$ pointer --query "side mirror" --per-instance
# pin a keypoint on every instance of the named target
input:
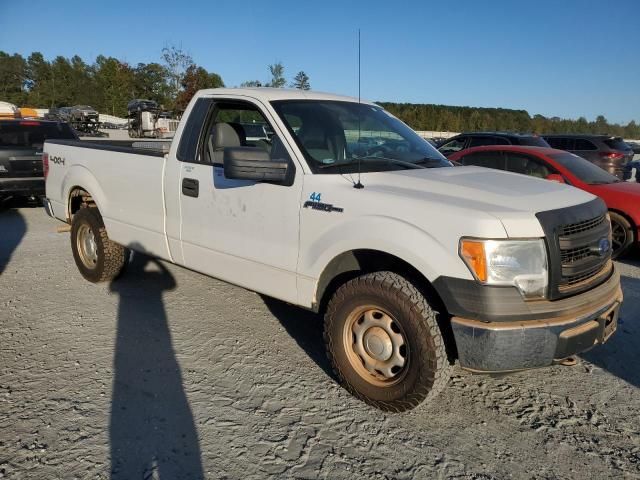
(556, 177)
(249, 163)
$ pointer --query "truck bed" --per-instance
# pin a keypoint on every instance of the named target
(139, 147)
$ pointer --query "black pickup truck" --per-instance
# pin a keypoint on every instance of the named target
(21, 144)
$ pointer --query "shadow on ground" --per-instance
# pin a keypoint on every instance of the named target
(12, 229)
(621, 354)
(152, 431)
(305, 328)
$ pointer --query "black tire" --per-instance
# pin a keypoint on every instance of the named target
(426, 370)
(110, 257)
(623, 235)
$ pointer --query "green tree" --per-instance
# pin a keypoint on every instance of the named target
(177, 62)
(39, 82)
(150, 81)
(114, 80)
(13, 78)
(601, 125)
(277, 75)
(196, 78)
(301, 81)
(251, 83)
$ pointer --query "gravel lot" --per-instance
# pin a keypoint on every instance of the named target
(168, 374)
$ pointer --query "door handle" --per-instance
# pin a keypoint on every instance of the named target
(190, 187)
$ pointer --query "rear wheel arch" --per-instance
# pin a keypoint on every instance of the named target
(78, 198)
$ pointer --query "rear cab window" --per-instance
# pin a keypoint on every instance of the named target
(32, 134)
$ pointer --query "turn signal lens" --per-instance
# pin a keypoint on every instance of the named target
(473, 254)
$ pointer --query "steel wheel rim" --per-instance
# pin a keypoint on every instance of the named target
(376, 346)
(618, 235)
(87, 247)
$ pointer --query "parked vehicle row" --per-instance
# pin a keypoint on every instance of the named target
(478, 139)
(82, 118)
(412, 262)
(622, 198)
(607, 152)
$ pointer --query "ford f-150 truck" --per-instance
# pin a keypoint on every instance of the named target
(346, 211)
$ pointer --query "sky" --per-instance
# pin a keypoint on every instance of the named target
(565, 58)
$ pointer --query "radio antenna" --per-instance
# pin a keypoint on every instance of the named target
(358, 184)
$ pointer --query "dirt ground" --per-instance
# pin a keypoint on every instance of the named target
(168, 374)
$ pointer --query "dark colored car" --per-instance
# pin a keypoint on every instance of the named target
(83, 114)
(635, 146)
(479, 139)
(21, 144)
(622, 198)
(60, 114)
(632, 172)
(607, 152)
(142, 105)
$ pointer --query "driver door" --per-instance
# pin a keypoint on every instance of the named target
(240, 231)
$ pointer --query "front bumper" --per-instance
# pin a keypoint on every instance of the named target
(495, 346)
(25, 186)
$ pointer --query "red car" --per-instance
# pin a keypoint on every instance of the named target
(622, 198)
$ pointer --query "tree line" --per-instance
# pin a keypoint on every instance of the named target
(464, 119)
(108, 84)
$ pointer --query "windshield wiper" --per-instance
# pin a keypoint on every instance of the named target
(394, 161)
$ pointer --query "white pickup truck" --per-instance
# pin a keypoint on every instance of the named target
(346, 211)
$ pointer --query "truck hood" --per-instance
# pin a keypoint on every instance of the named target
(513, 199)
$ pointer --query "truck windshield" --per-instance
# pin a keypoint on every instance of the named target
(583, 169)
(32, 134)
(336, 136)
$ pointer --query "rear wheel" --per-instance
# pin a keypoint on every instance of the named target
(622, 234)
(98, 259)
(384, 342)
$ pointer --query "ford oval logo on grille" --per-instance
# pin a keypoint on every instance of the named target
(603, 247)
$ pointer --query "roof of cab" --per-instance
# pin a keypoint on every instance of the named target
(268, 94)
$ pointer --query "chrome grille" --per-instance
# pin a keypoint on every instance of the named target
(574, 254)
(583, 226)
(580, 255)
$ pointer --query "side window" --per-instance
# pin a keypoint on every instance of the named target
(582, 144)
(189, 140)
(453, 146)
(561, 143)
(484, 159)
(487, 140)
(238, 124)
(526, 165)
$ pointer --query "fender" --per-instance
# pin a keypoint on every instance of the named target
(376, 232)
(78, 176)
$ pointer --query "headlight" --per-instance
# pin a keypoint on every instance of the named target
(518, 263)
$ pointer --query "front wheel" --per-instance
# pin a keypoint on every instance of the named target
(622, 234)
(98, 259)
(384, 342)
